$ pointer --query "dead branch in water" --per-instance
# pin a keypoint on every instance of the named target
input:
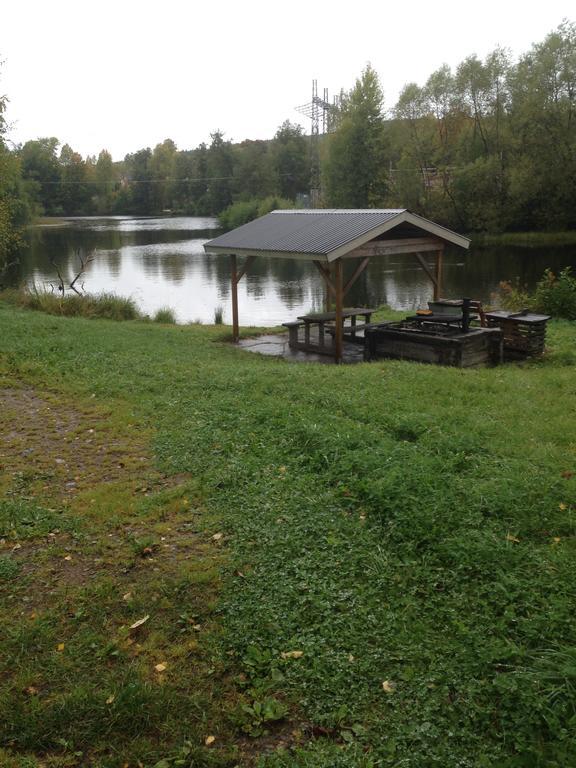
(84, 263)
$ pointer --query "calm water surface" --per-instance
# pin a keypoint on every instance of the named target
(161, 262)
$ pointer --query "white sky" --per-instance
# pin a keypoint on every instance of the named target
(127, 74)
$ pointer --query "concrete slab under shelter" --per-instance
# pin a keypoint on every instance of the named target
(276, 345)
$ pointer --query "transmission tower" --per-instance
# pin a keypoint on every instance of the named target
(320, 112)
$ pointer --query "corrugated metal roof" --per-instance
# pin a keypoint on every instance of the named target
(319, 232)
(303, 231)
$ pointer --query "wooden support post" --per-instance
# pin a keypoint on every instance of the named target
(438, 276)
(234, 286)
(329, 290)
(235, 279)
(356, 274)
(339, 331)
(324, 270)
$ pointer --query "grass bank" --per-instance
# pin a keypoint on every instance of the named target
(107, 306)
(348, 566)
(526, 239)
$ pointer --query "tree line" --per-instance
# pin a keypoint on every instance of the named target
(488, 146)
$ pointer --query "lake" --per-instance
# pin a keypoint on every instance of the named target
(160, 262)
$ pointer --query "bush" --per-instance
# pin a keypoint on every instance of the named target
(165, 315)
(104, 305)
(556, 294)
(244, 211)
(511, 295)
(238, 213)
(218, 315)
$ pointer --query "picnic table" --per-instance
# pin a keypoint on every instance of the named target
(324, 322)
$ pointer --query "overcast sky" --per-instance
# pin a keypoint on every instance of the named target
(124, 75)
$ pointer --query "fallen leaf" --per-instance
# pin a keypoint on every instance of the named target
(292, 654)
(556, 540)
(110, 699)
(350, 658)
(160, 667)
(138, 624)
(514, 539)
(68, 557)
(562, 507)
(209, 740)
(31, 690)
(16, 546)
(217, 536)
(388, 686)
(127, 596)
(60, 647)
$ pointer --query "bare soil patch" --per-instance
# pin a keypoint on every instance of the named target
(60, 447)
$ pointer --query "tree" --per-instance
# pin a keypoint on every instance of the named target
(105, 177)
(354, 166)
(40, 166)
(162, 170)
(543, 126)
(138, 174)
(220, 170)
(76, 191)
(15, 206)
(290, 160)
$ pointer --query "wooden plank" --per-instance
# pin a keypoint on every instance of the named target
(234, 281)
(428, 271)
(356, 274)
(325, 272)
(394, 247)
(247, 264)
(315, 317)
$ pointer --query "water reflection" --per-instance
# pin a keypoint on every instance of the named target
(161, 262)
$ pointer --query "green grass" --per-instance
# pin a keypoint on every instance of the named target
(165, 315)
(389, 522)
(103, 305)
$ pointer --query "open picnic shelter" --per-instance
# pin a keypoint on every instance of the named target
(332, 238)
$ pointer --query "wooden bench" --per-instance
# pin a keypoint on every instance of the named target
(293, 328)
(351, 330)
(323, 323)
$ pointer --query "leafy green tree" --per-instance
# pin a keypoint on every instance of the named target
(220, 170)
(354, 166)
(162, 170)
(138, 195)
(105, 177)
(41, 168)
(76, 191)
(15, 208)
(543, 126)
(253, 169)
(290, 158)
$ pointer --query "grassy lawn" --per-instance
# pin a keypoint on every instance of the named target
(353, 566)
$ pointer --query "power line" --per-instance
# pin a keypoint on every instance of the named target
(149, 181)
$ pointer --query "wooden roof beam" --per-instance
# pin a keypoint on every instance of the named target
(392, 247)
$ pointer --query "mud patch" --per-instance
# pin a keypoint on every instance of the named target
(56, 447)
